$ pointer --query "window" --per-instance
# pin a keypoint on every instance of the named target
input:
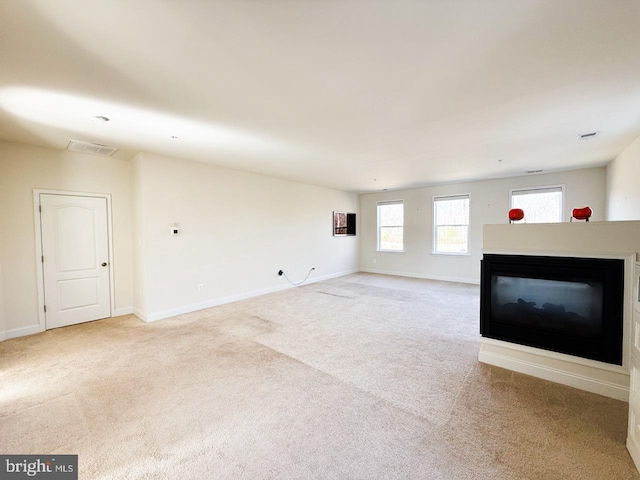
(391, 226)
(540, 205)
(451, 225)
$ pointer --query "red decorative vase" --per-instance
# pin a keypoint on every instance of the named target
(582, 213)
(516, 214)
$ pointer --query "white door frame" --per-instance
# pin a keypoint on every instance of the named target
(42, 319)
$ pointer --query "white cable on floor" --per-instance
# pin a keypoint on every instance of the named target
(299, 283)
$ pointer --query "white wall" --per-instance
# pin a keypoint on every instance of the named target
(623, 184)
(489, 204)
(24, 168)
(237, 230)
(3, 327)
(139, 252)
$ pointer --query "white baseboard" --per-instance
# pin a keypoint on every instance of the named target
(443, 278)
(154, 316)
(139, 313)
(572, 379)
(21, 332)
(24, 331)
(118, 312)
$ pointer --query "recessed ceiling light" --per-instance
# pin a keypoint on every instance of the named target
(587, 136)
(100, 119)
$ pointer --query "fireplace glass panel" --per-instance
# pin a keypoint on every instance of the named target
(571, 308)
(563, 304)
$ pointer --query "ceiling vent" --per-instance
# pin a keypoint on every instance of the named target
(92, 148)
(587, 136)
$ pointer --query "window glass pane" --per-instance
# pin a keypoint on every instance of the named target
(391, 238)
(452, 212)
(451, 225)
(390, 226)
(391, 215)
(539, 207)
(452, 239)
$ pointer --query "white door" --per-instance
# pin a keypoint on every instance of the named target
(75, 252)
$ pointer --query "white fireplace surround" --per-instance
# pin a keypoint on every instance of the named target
(620, 240)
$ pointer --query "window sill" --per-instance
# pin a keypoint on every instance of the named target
(448, 254)
(390, 251)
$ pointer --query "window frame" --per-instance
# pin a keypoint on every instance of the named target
(541, 188)
(434, 225)
(378, 226)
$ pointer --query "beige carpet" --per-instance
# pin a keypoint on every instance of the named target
(362, 377)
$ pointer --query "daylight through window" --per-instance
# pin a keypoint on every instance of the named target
(451, 225)
(540, 205)
(391, 226)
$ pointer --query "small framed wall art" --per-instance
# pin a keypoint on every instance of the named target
(344, 224)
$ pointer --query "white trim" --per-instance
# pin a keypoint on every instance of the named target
(556, 355)
(590, 384)
(21, 332)
(634, 449)
(382, 203)
(632, 440)
(118, 312)
(112, 279)
(38, 233)
(390, 202)
(434, 226)
(636, 288)
(140, 314)
(455, 196)
(558, 253)
(39, 273)
(444, 278)
(154, 316)
(528, 190)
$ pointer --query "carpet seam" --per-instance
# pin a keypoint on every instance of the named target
(379, 398)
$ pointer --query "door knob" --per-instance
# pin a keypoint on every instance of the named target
(104, 264)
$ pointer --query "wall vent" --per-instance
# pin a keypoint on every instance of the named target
(92, 148)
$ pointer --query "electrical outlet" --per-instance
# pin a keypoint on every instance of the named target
(201, 287)
(374, 260)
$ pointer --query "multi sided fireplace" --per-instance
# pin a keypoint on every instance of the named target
(563, 304)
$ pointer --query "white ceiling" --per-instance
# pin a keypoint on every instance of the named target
(355, 95)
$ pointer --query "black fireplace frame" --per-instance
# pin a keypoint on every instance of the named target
(608, 348)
